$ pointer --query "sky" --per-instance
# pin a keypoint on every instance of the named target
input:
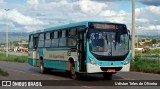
(31, 15)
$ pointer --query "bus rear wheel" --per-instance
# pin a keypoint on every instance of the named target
(107, 75)
(42, 70)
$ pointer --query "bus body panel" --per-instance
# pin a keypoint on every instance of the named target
(32, 59)
(125, 68)
(57, 64)
(57, 58)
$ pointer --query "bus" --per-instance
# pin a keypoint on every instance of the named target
(82, 47)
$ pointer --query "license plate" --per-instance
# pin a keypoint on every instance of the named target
(111, 70)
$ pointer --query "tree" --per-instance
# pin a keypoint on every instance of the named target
(154, 41)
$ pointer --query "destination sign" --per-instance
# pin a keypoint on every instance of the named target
(107, 26)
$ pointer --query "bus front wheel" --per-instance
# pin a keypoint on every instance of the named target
(73, 73)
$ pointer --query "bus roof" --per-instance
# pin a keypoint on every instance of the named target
(68, 26)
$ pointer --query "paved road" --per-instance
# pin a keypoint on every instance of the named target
(23, 71)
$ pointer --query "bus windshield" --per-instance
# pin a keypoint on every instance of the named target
(109, 42)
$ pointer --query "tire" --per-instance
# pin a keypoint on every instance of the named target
(68, 73)
(42, 69)
(107, 75)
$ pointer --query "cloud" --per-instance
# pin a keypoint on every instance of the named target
(117, 16)
(151, 2)
(142, 20)
(2, 1)
(148, 17)
(17, 17)
(92, 7)
(40, 14)
(49, 13)
(33, 2)
(150, 27)
(18, 21)
(149, 12)
(108, 13)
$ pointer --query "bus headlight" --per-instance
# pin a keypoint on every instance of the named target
(126, 62)
(92, 61)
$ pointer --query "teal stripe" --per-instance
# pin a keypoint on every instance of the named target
(31, 49)
(57, 64)
(32, 62)
(48, 49)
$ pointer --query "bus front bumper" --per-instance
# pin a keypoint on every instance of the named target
(97, 69)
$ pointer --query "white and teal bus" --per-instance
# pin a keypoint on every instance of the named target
(83, 47)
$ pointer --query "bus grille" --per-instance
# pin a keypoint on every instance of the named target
(106, 68)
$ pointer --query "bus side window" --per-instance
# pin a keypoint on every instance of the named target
(41, 40)
(73, 32)
(55, 39)
(71, 37)
(62, 39)
(47, 40)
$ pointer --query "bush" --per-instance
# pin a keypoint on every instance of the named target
(3, 73)
(13, 58)
(145, 65)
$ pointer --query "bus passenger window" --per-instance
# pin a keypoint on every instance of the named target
(55, 35)
(62, 40)
(55, 39)
(47, 40)
(41, 40)
(47, 36)
(73, 32)
(63, 33)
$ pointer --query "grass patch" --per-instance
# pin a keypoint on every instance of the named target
(3, 73)
(145, 65)
(13, 58)
(150, 53)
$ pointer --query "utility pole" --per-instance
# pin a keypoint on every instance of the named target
(137, 28)
(133, 29)
(6, 10)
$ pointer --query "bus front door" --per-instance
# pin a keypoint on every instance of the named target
(35, 43)
(81, 50)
